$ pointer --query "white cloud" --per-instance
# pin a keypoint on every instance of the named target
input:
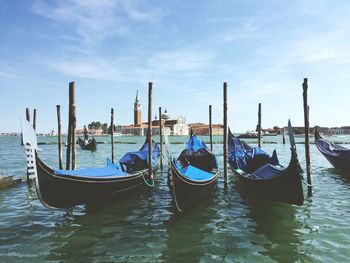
(138, 15)
(87, 68)
(180, 60)
(95, 20)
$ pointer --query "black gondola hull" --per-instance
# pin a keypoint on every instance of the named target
(60, 191)
(340, 164)
(185, 192)
(339, 157)
(90, 146)
(284, 187)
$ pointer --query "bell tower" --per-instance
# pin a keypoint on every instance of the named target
(137, 110)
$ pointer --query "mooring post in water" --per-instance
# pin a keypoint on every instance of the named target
(69, 135)
(34, 119)
(59, 134)
(259, 126)
(210, 130)
(307, 142)
(225, 132)
(74, 125)
(27, 114)
(28, 119)
(112, 133)
(149, 133)
(283, 136)
(161, 138)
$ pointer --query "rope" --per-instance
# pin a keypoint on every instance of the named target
(146, 182)
(222, 176)
(173, 184)
(306, 183)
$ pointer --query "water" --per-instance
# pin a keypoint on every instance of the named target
(226, 227)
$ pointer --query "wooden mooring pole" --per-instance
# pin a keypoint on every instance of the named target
(259, 126)
(283, 136)
(161, 138)
(225, 132)
(112, 133)
(307, 142)
(69, 135)
(59, 134)
(27, 114)
(74, 125)
(28, 119)
(34, 119)
(210, 130)
(149, 133)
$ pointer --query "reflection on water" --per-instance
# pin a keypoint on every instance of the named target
(226, 227)
(277, 222)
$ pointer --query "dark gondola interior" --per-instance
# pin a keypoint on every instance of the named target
(196, 157)
(251, 160)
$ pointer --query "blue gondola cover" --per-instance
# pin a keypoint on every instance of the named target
(92, 172)
(249, 159)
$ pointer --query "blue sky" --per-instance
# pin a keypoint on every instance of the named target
(111, 48)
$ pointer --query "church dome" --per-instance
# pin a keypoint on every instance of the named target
(165, 115)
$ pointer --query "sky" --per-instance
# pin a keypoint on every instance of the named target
(112, 48)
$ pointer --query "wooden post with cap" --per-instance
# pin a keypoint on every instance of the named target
(259, 126)
(34, 119)
(27, 114)
(225, 132)
(210, 129)
(112, 133)
(307, 142)
(69, 134)
(74, 125)
(149, 133)
(58, 108)
(161, 138)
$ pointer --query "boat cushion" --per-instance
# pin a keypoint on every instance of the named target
(138, 160)
(92, 172)
(196, 154)
(193, 172)
(266, 171)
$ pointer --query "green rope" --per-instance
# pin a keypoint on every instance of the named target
(222, 176)
(147, 183)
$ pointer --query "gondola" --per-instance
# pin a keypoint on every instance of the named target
(337, 155)
(247, 135)
(261, 174)
(87, 144)
(193, 174)
(67, 188)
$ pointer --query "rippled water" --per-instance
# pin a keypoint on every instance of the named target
(225, 227)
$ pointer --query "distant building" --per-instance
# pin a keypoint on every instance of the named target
(177, 126)
(203, 129)
(95, 131)
(137, 110)
(132, 130)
